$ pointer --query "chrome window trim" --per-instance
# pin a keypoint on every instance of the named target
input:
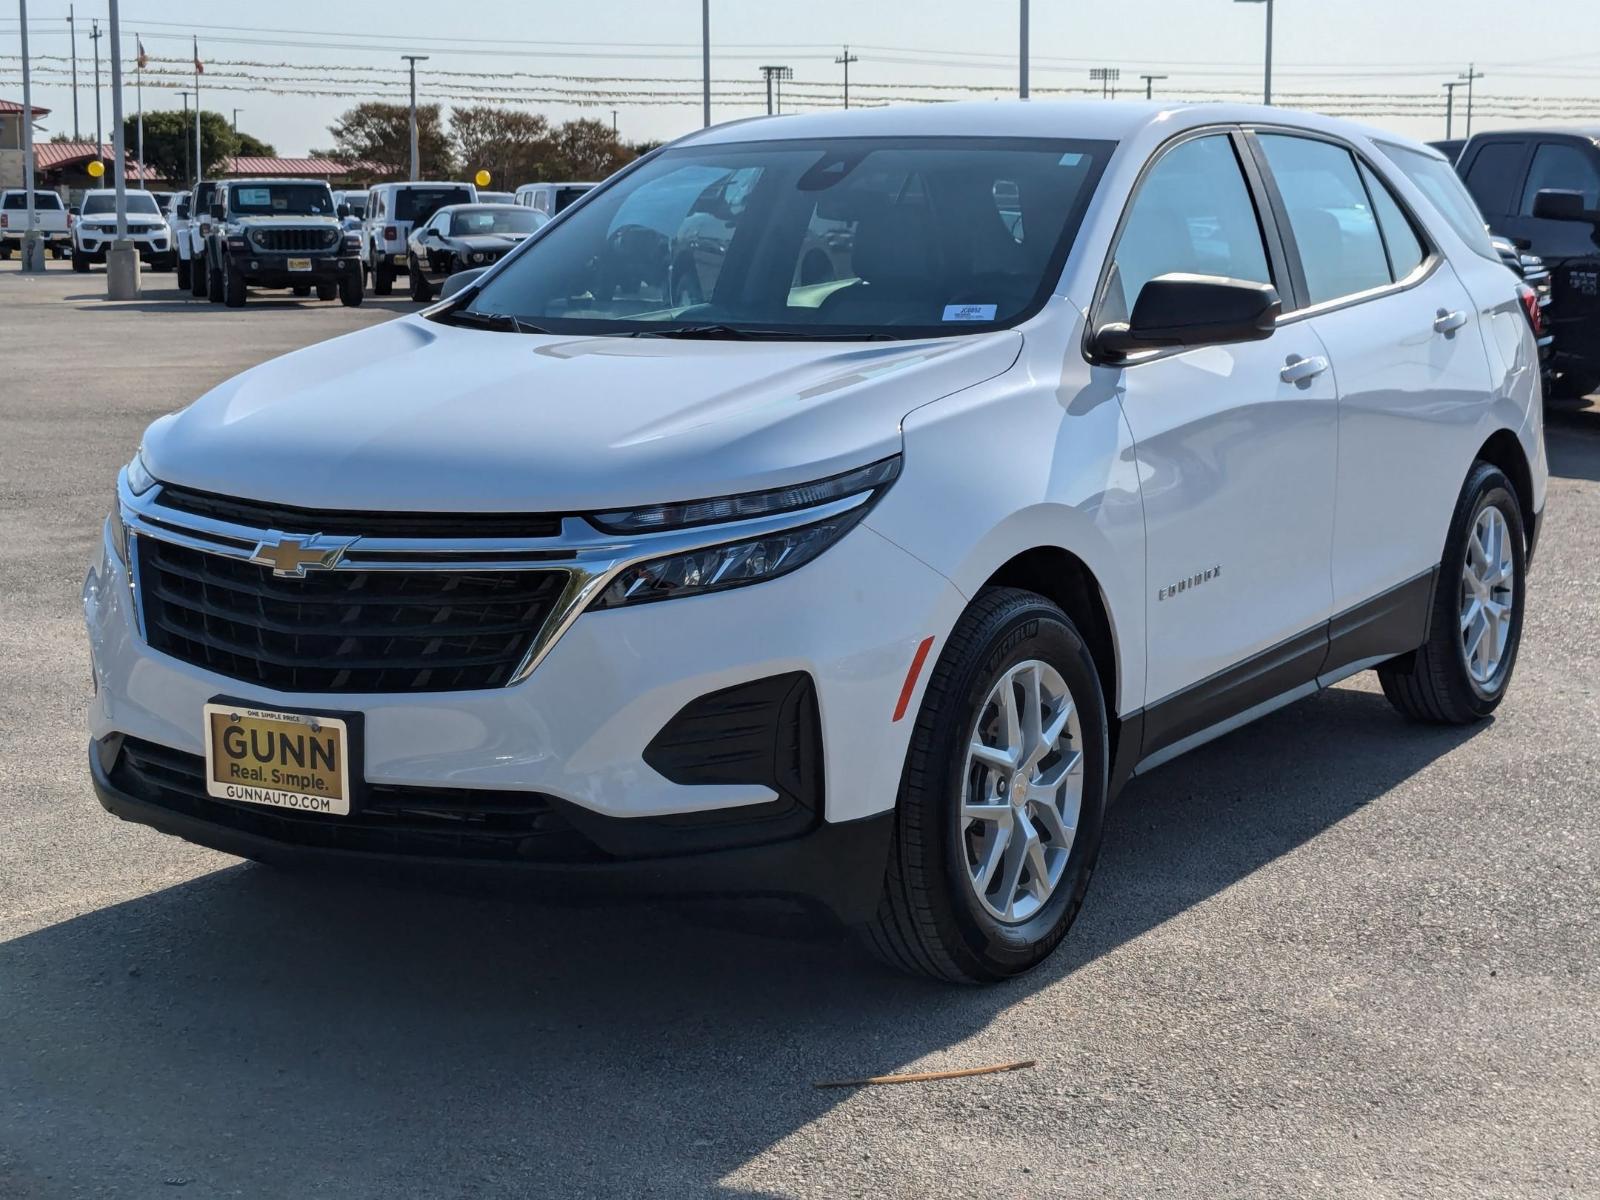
(589, 558)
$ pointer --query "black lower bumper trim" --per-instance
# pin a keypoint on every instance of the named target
(838, 865)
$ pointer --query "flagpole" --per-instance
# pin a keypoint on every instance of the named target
(197, 175)
(138, 88)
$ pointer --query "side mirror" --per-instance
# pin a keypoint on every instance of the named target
(218, 210)
(459, 282)
(1193, 310)
(342, 211)
(1560, 204)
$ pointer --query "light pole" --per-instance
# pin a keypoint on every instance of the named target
(414, 59)
(847, 58)
(778, 73)
(122, 260)
(1106, 77)
(705, 62)
(32, 246)
(1150, 85)
(99, 137)
(1450, 108)
(72, 30)
(1022, 52)
(1267, 87)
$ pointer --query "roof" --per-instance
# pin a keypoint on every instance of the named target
(52, 156)
(247, 164)
(14, 106)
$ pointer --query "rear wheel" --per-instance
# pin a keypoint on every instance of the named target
(80, 262)
(420, 291)
(1460, 674)
(999, 818)
(58, 251)
(214, 282)
(382, 278)
(198, 271)
(1575, 385)
(183, 272)
(301, 289)
(5, 251)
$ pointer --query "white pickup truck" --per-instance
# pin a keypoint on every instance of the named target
(49, 218)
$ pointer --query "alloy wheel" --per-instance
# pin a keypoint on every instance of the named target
(1488, 596)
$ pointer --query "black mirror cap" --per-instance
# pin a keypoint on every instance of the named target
(1193, 310)
(459, 281)
(1560, 204)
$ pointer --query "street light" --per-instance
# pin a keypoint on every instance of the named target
(1267, 89)
(413, 60)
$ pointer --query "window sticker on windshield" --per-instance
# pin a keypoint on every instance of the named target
(969, 312)
(279, 203)
(255, 197)
(1070, 159)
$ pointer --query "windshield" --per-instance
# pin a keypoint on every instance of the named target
(280, 199)
(887, 237)
(42, 201)
(420, 203)
(138, 202)
(469, 222)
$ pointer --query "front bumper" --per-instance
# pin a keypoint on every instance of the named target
(271, 268)
(93, 247)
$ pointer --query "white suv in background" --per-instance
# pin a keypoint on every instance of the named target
(1115, 427)
(393, 209)
(49, 218)
(96, 228)
(550, 198)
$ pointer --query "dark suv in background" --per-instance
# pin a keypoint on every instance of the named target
(1541, 189)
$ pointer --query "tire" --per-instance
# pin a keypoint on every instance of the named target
(58, 252)
(183, 272)
(1434, 683)
(327, 291)
(80, 263)
(301, 290)
(420, 291)
(382, 278)
(199, 273)
(930, 919)
(5, 252)
(233, 285)
(352, 290)
(1577, 385)
(214, 282)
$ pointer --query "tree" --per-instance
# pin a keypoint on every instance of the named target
(514, 147)
(380, 134)
(255, 147)
(169, 143)
(587, 149)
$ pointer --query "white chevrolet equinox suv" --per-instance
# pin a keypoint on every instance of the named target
(1000, 452)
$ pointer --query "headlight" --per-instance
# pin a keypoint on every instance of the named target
(477, 256)
(140, 481)
(722, 567)
(873, 477)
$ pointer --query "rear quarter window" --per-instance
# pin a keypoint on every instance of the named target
(1437, 180)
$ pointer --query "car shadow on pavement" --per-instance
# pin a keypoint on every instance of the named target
(349, 1040)
(178, 300)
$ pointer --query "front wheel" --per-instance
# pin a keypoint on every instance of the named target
(1460, 674)
(301, 290)
(183, 272)
(421, 292)
(233, 286)
(1002, 802)
(327, 290)
(198, 272)
(352, 289)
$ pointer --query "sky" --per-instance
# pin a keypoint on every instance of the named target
(290, 67)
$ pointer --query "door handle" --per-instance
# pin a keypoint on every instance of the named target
(1302, 370)
(1448, 322)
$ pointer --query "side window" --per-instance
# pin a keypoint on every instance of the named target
(1436, 180)
(1406, 251)
(1334, 226)
(1492, 177)
(1557, 165)
(1193, 214)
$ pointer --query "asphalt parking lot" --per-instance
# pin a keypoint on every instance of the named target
(1331, 954)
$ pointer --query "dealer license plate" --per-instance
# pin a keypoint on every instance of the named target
(278, 759)
(299, 264)
(400, 260)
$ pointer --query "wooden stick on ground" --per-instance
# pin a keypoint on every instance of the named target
(925, 1076)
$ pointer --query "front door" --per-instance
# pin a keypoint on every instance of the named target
(1236, 449)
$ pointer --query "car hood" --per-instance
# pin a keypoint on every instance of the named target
(264, 221)
(420, 416)
(487, 241)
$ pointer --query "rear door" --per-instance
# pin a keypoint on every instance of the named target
(1235, 447)
(1413, 383)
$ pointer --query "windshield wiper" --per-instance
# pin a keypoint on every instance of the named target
(736, 333)
(481, 320)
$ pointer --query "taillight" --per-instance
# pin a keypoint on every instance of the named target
(5, 221)
(390, 233)
(1531, 309)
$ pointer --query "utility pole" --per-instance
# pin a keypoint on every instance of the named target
(1267, 85)
(199, 173)
(236, 113)
(1022, 53)
(1471, 76)
(705, 62)
(413, 60)
(32, 247)
(1106, 77)
(613, 123)
(1450, 108)
(847, 58)
(780, 74)
(72, 29)
(99, 136)
(122, 260)
(185, 96)
(1149, 85)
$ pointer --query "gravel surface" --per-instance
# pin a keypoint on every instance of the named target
(1329, 954)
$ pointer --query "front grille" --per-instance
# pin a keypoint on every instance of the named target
(456, 823)
(285, 519)
(295, 239)
(345, 630)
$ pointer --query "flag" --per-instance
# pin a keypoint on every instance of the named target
(143, 59)
(199, 67)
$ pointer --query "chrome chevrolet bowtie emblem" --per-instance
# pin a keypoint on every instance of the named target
(292, 557)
